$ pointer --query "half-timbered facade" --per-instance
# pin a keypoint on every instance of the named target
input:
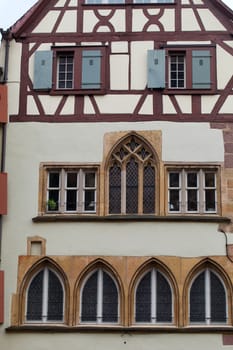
(119, 154)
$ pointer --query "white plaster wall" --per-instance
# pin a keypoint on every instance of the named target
(224, 59)
(118, 341)
(138, 61)
(119, 47)
(119, 72)
(168, 20)
(189, 21)
(47, 23)
(68, 23)
(89, 21)
(209, 21)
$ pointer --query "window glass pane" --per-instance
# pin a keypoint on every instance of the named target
(89, 299)
(209, 179)
(53, 200)
(192, 180)
(143, 299)
(54, 180)
(132, 187)
(174, 200)
(110, 299)
(197, 299)
(149, 190)
(71, 200)
(89, 199)
(34, 298)
(90, 180)
(55, 298)
(65, 70)
(72, 179)
(164, 299)
(192, 200)
(115, 189)
(218, 300)
(174, 179)
(210, 202)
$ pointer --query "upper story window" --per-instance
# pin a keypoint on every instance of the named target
(181, 68)
(153, 299)
(45, 298)
(77, 70)
(192, 190)
(132, 178)
(99, 299)
(207, 299)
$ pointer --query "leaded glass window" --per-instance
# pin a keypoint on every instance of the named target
(132, 178)
(208, 299)
(99, 299)
(153, 299)
(45, 298)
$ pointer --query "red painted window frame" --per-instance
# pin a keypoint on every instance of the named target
(3, 192)
(77, 51)
(188, 68)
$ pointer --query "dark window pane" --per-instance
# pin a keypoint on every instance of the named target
(71, 200)
(143, 299)
(174, 203)
(164, 300)
(89, 204)
(71, 179)
(149, 190)
(54, 179)
(53, 200)
(89, 299)
(218, 300)
(209, 179)
(192, 200)
(174, 180)
(192, 179)
(132, 187)
(90, 180)
(34, 298)
(210, 204)
(55, 298)
(197, 299)
(110, 299)
(115, 189)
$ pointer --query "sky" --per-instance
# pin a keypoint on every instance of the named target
(12, 10)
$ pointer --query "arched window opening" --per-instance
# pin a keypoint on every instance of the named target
(45, 298)
(153, 299)
(132, 178)
(99, 299)
(207, 300)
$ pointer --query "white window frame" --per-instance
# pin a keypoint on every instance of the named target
(153, 285)
(176, 54)
(201, 190)
(99, 315)
(208, 297)
(45, 295)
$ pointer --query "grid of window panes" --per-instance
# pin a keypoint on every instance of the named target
(177, 70)
(65, 71)
(192, 191)
(71, 190)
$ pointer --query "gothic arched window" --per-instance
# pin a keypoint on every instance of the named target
(132, 178)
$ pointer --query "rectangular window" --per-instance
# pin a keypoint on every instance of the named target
(192, 191)
(71, 190)
(79, 69)
(177, 70)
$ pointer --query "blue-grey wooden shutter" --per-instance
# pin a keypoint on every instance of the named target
(156, 69)
(91, 69)
(43, 70)
(201, 77)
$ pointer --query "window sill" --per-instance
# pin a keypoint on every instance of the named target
(88, 218)
(189, 92)
(118, 329)
(77, 92)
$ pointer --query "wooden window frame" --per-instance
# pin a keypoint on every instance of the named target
(200, 170)
(187, 52)
(77, 89)
(63, 169)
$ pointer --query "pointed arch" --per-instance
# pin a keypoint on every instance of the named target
(153, 296)
(207, 295)
(99, 296)
(132, 176)
(44, 294)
